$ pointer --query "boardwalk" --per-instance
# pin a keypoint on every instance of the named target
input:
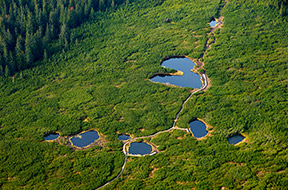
(205, 85)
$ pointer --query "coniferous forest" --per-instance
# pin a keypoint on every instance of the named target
(69, 66)
(28, 27)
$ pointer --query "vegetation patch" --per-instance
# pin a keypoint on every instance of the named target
(250, 51)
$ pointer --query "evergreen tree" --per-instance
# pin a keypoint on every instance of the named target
(12, 63)
(54, 23)
(87, 11)
(112, 4)
(11, 18)
(64, 35)
(2, 65)
(20, 60)
(47, 34)
(72, 18)
(101, 5)
(63, 14)
(1, 71)
(22, 22)
(71, 4)
(5, 54)
(38, 48)
(92, 14)
(9, 39)
(30, 23)
(45, 55)
(20, 44)
(29, 49)
(7, 71)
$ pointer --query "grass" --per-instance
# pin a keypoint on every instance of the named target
(109, 66)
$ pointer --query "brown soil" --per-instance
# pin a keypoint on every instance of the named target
(152, 172)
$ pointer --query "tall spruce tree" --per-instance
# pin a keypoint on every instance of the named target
(29, 49)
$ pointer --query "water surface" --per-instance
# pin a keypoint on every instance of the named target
(51, 136)
(85, 139)
(198, 128)
(236, 139)
(140, 148)
(188, 79)
(124, 137)
(213, 23)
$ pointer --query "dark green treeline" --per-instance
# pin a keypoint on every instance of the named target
(28, 26)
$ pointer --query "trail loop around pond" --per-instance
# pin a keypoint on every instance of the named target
(204, 77)
(204, 88)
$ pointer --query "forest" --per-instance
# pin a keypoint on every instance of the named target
(27, 28)
(99, 72)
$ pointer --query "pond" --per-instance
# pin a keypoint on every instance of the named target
(84, 139)
(198, 128)
(235, 139)
(140, 148)
(124, 137)
(213, 23)
(188, 79)
(51, 136)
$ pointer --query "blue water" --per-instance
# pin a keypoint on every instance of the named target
(140, 148)
(213, 23)
(188, 79)
(235, 139)
(85, 139)
(52, 136)
(124, 137)
(198, 128)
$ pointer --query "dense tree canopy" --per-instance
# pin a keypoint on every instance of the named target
(28, 26)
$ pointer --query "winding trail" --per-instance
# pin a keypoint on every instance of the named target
(204, 87)
(204, 77)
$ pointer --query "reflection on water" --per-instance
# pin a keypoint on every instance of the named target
(52, 136)
(236, 139)
(140, 148)
(124, 137)
(85, 139)
(213, 23)
(198, 128)
(188, 79)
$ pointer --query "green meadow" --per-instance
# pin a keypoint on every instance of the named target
(102, 76)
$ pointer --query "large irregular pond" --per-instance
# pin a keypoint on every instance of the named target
(84, 139)
(124, 137)
(198, 128)
(140, 148)
(188, 79)
(236, 138)
(51, 136)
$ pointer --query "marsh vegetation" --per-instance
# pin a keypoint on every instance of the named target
(101, 82)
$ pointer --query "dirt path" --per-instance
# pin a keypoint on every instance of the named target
(159, 132)
(206, 85)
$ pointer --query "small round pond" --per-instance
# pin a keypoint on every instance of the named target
(198, 128)
(188, 79)
(124, 137)
(140, 148)
(235, 139)
(51, 136)
(213, 23)
(84, 139)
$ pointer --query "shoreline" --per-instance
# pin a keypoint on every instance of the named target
(207, 127)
